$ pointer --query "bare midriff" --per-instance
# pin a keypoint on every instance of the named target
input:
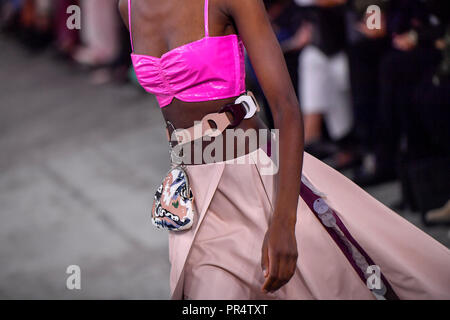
(184, 114)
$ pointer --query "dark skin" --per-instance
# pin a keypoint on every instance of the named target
(159, 26)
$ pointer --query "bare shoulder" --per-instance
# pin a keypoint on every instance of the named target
(236, 6)
(248, 15)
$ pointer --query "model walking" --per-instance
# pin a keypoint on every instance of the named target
(296, 234)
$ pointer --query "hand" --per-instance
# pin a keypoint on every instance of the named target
(405, 41)
(301, 38)
(371, 33)
(279, 255)
(374, 33)
(440, 44)
(303, 35)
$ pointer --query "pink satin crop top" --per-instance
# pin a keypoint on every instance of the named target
(207, 69)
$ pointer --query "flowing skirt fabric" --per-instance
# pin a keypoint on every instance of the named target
(341, 231)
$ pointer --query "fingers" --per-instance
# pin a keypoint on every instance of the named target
(281, 270)
(265, 258)
(272, 275)
(272, 271)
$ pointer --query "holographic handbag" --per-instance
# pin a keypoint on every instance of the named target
(173, 204)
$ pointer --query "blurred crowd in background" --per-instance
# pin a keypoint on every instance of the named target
(376, 102)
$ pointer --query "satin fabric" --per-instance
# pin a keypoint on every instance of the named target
(207, 69)
(219, 258)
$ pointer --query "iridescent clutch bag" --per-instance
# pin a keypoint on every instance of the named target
(173, 204)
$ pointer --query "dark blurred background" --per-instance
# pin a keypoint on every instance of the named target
(82, 145)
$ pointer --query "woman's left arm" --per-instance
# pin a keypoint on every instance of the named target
(279, 251)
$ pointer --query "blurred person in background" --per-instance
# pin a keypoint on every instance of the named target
(9, 11)
(426, 156)
(324, 83)
(66, 40)
(37, 23)
(30, 20)
(400, 71)
(412, 29)
(428, 137)
(99, 46)
(100, 37)
(291, 30)
(401, 98)
(366, 49)
(287, 22)
(43, 20)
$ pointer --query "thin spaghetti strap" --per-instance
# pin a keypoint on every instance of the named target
(129, 24)
(206, 19)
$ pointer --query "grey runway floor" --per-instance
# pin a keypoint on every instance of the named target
(78, 165)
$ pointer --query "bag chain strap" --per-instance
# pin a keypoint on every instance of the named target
(175, 159)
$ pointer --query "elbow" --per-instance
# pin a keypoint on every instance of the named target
(287, 112)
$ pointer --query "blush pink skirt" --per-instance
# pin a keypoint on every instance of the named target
(343, 235)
